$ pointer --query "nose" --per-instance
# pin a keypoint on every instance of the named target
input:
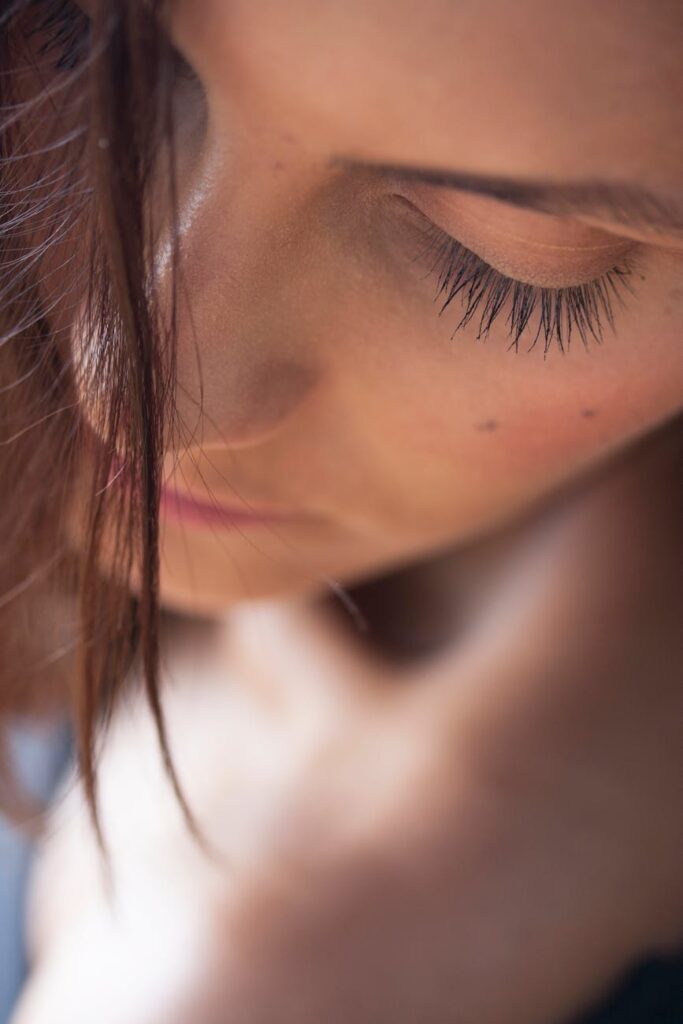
(250, 395)
(245, 362)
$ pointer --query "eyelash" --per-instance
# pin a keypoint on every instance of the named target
(556, 313)
(485, 292)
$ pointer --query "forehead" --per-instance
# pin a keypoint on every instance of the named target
(531, 88)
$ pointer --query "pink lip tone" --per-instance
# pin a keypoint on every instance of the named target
(184, 508)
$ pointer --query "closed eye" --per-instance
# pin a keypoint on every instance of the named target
(533, 313)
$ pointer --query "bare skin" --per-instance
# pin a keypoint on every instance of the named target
(489, 837)
(331, 389)
(518, 842)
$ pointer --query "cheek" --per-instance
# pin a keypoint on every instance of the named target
(588, 404)
(505, 424)
(487, 429)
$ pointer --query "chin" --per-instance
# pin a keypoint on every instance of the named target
(204, 574)
(212, 601)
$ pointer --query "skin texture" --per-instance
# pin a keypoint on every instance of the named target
(331, 388)
(493, 834)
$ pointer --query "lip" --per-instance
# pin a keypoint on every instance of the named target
(187, 509)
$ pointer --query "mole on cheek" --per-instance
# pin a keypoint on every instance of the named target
(589, 414)
(487, 426)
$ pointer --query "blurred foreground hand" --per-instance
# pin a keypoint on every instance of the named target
(488, 838)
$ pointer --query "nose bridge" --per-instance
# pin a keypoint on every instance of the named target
(241, 345)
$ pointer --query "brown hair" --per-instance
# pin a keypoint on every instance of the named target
(86, 130)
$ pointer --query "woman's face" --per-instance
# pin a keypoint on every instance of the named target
(330, 153)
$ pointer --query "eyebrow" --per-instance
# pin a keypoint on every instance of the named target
(625, 204)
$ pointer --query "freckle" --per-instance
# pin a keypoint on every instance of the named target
(278, 165)
(589, 414)
(487, 426)
(288, 137)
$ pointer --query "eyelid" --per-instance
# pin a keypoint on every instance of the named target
(527, 310)
(514, 221)
(529, 261)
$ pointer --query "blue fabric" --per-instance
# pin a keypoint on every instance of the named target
(39, 755)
